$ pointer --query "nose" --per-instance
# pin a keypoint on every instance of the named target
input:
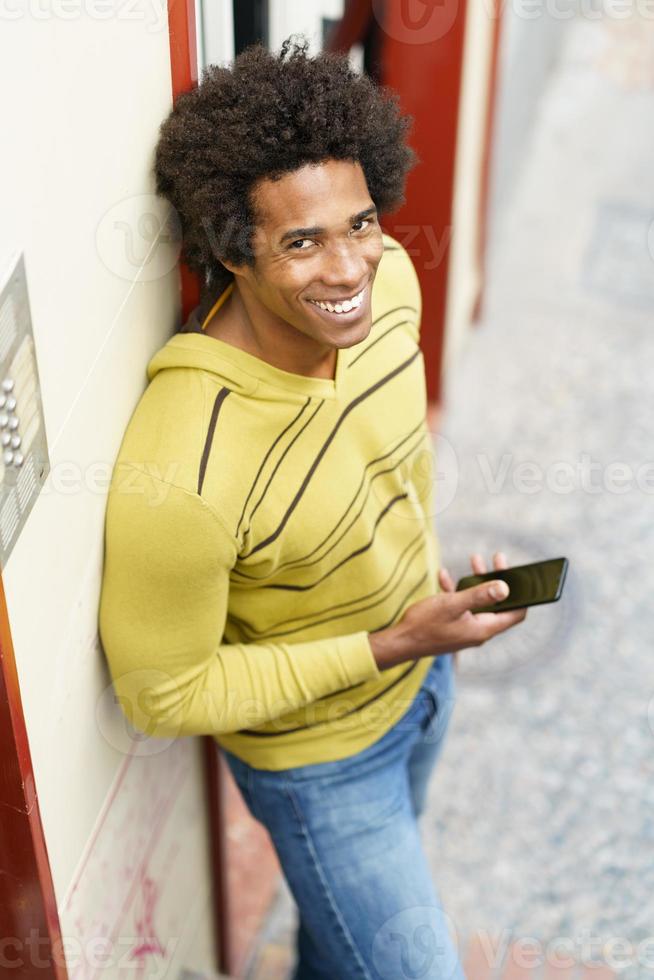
(345, 268)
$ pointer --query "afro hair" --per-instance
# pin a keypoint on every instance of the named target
(264, 116)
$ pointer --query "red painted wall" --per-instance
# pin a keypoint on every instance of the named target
(29, 923)
(422, 60)
(420, 56)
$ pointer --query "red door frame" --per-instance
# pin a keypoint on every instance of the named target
(425, 72)
(30, 931)
(184, 75)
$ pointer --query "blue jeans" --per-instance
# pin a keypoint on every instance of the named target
(348, 841)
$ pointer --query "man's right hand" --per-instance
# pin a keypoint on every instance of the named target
(444, 623)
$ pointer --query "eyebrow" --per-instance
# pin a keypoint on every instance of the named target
(295, 233)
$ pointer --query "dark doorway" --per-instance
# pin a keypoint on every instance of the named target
(250, 23)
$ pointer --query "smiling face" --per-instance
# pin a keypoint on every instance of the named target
(317, 241)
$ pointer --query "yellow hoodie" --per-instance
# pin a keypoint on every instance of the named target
(259, 525)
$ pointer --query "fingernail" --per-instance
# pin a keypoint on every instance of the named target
(499, 591)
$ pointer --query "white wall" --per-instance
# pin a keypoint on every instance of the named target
(305, 16)
(529, 48)
(215, 32)
(88, 93)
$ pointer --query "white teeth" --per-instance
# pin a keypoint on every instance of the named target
(345, 307)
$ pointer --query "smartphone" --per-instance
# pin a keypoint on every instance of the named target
(530, 585)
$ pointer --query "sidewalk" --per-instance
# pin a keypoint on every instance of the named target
(540, 821)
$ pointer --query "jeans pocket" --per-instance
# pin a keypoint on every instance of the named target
(440, 686)
(430, 708)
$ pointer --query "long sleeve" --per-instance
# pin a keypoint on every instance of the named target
(162, 614)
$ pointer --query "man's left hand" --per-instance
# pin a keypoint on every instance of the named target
(478, 566)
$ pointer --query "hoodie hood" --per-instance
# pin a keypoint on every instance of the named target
(191, 348)
(233, 368)
(204, 354)
(246, 374)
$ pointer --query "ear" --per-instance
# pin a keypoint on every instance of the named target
(240, 269)
(230, 268)
(243, 273)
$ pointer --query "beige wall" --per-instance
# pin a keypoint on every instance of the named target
(125, 832)
(463, 274)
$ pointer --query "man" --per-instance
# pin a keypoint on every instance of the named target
(271, 574)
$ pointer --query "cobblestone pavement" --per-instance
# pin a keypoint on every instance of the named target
(540, 821)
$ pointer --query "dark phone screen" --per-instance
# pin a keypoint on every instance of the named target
(531, 584)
